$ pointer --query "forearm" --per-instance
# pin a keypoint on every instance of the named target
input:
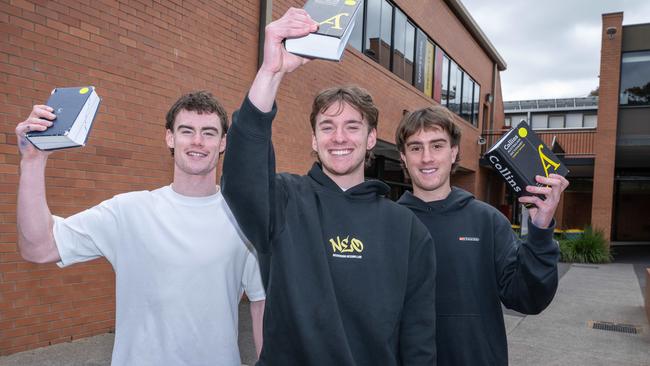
(264, 89)
(257, 317)
(34, 220)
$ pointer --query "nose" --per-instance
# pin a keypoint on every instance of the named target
(427, 155)
(197, 139)
(339, 135)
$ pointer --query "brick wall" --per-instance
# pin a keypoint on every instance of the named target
(141, 56)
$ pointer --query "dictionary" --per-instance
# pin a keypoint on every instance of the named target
(519, 156)
(335, 20)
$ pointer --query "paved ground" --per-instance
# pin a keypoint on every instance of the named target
(558, 336)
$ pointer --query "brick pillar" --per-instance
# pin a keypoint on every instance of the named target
(605, 140)
(559, 214)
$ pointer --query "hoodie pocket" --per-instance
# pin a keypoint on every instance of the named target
(462, 340)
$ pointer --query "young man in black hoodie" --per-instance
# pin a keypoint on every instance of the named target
(349, 275)
(480, 260)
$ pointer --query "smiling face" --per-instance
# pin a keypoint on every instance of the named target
(341, 139)
(197, 140)
(428, 157)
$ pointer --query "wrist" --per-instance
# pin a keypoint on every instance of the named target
(38, 161)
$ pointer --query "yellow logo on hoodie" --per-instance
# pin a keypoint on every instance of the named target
(346, 247)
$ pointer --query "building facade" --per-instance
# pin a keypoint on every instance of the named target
(604, 140)
(142, 55)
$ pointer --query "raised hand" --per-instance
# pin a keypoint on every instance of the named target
(293, 24)
(40, 119)
(542, 214)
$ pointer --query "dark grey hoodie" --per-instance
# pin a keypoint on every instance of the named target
(482, 263)
(349, 276)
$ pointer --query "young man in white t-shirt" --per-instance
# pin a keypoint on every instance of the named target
(180, 260)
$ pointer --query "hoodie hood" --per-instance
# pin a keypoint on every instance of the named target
(368, 189)
(457, 199)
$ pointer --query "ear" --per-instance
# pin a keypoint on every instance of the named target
(222, 144)
(403, 157)
(314, 143)
(454, 153)
(372, 139)
(169, 138)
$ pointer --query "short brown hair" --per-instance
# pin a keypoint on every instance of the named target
(436, 117)
(201, 102)
(358, 98)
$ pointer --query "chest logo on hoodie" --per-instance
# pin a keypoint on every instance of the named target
(468, 238)
(346, 247)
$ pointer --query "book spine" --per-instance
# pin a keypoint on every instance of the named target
(514, 179)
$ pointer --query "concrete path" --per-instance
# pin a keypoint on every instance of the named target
(558, 336)
(561, 336)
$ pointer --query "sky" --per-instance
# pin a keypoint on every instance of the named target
(551, 47)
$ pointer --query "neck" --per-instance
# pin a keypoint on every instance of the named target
(195, 186)
(435, 195)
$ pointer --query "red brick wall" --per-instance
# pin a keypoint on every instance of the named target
(605, 141)
(141, 56)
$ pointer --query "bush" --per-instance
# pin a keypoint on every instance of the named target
(590, 247)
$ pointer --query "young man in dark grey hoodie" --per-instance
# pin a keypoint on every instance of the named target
(480, 260)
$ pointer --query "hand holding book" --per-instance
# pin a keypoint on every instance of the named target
(40, 119)
(543, 210)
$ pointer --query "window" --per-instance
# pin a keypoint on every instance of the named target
(409, 55)
(507, 122)
(356, 38)
(635, 78)
(399, 42)
(556, 121)
(467, 97)
(455, 85)
(540, 121)
(574, 120)
(386, 29)
(476, 104)
(590, 120)
(444, 98)
(372, 29)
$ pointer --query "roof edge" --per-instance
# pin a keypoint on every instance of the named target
(461, 12)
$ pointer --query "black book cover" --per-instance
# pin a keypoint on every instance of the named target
(520, 155)
(333, 16)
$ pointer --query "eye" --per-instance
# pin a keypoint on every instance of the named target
(210, 133)
(415, 148)
(354, 127)
(326, 128)
(438, 146)
(186, 131)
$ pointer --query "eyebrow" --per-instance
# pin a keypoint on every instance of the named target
(209, 128)
(329, 120)
(425, 142)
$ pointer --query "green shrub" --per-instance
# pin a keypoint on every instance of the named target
(590, 247)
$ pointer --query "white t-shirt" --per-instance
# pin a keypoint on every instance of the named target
(181, 265)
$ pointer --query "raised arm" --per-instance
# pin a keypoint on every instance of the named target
(248, 180)
(527, 271)
(34, 220)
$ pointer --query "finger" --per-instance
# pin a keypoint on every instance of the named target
(45, 113)
(534, 200)
(547, 180)
(545, 191)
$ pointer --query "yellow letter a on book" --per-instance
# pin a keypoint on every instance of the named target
(334, 21)
(546, 161)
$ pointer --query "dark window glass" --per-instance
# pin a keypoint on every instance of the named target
(635, 78)
(476, 104)
(409, 53)
(420, 60)
(444, 98)
(466, 100)
(455, 85)
(356, 38)
(373, 20)
(399, 43)
(385, 33)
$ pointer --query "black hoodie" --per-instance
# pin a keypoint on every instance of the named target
(482, 263)
(349, 276)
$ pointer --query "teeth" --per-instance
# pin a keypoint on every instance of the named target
(341, 152)
(195, 154)
(428, 171)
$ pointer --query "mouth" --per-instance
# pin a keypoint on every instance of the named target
(428, 171)
(340, 152)
(197, 154)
